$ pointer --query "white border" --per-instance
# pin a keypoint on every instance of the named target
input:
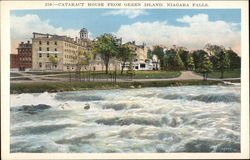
(6, 6)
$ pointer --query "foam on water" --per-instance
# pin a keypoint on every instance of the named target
(167, 119)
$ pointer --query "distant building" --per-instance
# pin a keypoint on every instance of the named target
(24, 51)
(141, 62)
(22, 61)
(14, 62)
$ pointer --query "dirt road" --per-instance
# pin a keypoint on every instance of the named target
(30, 78)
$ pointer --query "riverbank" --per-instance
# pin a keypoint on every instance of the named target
(76, 86)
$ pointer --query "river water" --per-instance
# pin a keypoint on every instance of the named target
(164, 119)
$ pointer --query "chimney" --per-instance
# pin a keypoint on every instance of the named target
(21, 42)
(28, 42)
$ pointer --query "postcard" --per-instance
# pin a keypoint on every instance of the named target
(124, 79)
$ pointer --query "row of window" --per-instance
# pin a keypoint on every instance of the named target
(70, 51)
(40, 49)
(24, 53)
(70, 45)
(68, 56)
(40, 55)
(48, 42)
(25, 59)
(29, 62)
(41, 65)
(24, 49)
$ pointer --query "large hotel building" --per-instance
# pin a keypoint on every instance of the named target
(63, 49)
(61, 53)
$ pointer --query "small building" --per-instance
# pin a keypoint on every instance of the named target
(147, 65)
(141, 62)
(14, 62)
(24, 52)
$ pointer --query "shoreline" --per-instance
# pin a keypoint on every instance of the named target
(18, 88)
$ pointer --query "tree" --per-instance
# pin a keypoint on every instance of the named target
(184, 55)
(83, 60)
(178, 64)
(125, 54)
(173, 61)
(107, 46)
(130, 70)
(235, 60)
(158, 51)
(214, 49)
(53, 61)
(223, 62)
(204, 66)
(197, 57)
(189, 62)
(149, 54)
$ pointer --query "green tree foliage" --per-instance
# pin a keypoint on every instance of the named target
(197, 57)
(204, 65)
(125, 54)
(173, 60)
(223, 62)
(107, 46)
(53, 60)
(178, 62)
(190, 62)
(235, 60)
(184, 55)
(165, 62)
(158, 51)
(82, 59)
(214, 49)
(150, 54)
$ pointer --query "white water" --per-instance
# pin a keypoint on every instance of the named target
(166, 119)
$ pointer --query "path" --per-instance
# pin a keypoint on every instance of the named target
(185, 75)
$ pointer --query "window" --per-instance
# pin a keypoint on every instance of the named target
(47, 42)
(55, 49)
(40, 65)
(40, 48)
(40, 42)
(55, 66)
(40, 55)
(47, 55)
(67, 67)
(47, 48)
(56, 55)
(55, 42)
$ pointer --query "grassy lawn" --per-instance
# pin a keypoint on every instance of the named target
(228, 74)
(138, 74)
(73, 86)
(15, 75)
(45, 73)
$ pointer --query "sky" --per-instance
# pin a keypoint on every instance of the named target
(191, 28)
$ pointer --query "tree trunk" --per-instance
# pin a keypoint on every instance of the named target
(106, 67)
(222, 75)
(123, 65)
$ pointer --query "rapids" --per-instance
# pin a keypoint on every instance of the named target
(164, 119)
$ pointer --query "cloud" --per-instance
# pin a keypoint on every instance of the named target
(198, 31)
(23, 27)
(131, 13)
